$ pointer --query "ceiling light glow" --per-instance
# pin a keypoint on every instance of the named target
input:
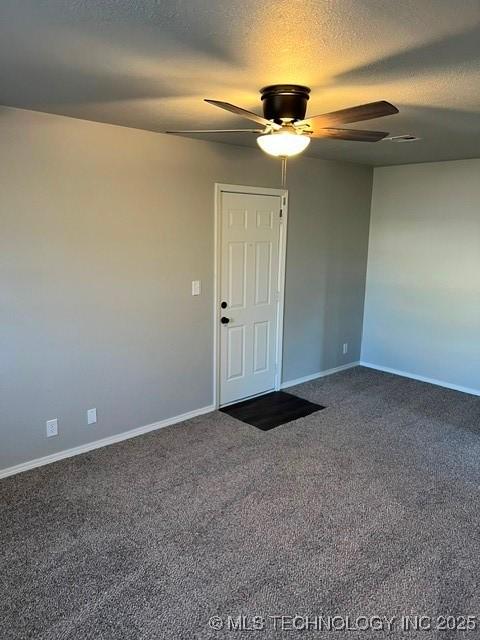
(283, 143)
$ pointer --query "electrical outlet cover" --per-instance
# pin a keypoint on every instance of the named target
(196, 287)
(52, 428)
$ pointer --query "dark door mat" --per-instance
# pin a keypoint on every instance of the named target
(271, 410)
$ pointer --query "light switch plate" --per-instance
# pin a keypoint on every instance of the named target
(91, 416)
(196, 287)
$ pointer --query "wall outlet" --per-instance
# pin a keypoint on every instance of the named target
(91, 416)
(345, 348)
(52, 428)
(196, 287)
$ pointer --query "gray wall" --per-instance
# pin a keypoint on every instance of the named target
(327, 248)
(422, 308)
(103, 229)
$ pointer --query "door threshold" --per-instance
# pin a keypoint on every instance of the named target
(256, 395)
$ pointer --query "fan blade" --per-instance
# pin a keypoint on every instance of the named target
(352, 114)
(243, 113)
(217, 131)
(355, 135)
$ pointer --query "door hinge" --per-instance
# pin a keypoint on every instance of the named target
(281, 213)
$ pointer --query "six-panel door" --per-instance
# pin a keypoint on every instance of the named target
(249, 285)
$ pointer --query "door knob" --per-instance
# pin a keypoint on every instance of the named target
(224, 320)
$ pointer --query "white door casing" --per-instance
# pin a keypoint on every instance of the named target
(250, 281)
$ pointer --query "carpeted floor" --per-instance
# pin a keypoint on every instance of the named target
(370, 507)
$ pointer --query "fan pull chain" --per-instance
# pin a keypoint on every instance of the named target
(284, 172)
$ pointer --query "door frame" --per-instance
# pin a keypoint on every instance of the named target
(261, 191)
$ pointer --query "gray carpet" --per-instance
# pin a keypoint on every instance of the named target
(369, 507)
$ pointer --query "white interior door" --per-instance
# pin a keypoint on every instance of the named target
(249, 294)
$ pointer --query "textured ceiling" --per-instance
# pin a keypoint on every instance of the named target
(149, 63)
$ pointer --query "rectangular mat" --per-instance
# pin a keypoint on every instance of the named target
(271, 410)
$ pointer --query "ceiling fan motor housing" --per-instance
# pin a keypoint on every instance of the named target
(284, 101)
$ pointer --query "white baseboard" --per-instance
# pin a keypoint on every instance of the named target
(319, 374)
(96, 444)
(414, 376)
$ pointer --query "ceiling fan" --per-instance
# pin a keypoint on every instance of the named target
(285, 130)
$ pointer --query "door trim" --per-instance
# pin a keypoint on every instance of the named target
(261, 191)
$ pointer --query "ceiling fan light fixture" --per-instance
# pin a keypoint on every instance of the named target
(283, 143)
